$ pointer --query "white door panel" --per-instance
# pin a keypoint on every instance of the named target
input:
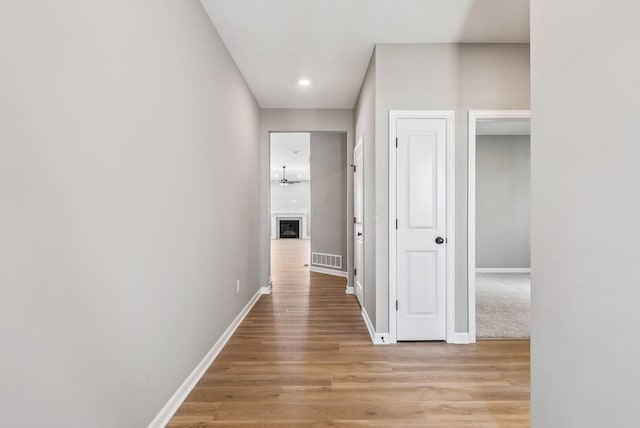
(422, 158)
(421, 270)
(421, 213)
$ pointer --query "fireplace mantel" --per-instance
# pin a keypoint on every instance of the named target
(291, 214)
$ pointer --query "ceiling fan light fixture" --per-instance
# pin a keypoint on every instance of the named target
(283, 181)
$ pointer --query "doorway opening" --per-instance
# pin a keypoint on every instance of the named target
(499, 270)
(308, 202)
(290, 200)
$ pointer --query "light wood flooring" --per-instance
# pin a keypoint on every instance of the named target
(303, 358)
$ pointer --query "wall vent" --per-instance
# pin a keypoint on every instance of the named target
(326, 260)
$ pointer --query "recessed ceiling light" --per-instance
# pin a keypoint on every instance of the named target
(304, 82)
(299, 175)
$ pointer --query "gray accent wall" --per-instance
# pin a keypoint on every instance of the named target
(457, 77)
(329, 194)
(503, 201)
(121, 234)
(585, 213)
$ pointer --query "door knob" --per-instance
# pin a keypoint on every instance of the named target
(359, 233)
(439, 240)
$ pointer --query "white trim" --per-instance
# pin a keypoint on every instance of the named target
(326, 271)
(503, 270)
(269, 287)
(474, 115)
(451, 216)
(266, 289)
(367, 322)
(350, 290)
(460, 339)
(449, 116)
(352, 268)
(174, 403)
(376, 338)
(381, 339)
(359, 143)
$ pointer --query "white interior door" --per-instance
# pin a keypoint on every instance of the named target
(421, 226)
(358, 237)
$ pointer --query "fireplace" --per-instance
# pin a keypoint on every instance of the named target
(290, 229)
(289, 214)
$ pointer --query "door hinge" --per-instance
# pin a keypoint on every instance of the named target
(396, 223)
(355, 272)
(396, 305)
(396, 142)
(354, 220)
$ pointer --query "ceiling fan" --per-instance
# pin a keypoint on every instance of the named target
(283, 181)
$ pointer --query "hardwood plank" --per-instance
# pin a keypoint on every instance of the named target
(198, 408)
(303, 358)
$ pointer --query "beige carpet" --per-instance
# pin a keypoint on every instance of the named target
(502, 304)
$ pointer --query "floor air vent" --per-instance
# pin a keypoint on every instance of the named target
(326, 260)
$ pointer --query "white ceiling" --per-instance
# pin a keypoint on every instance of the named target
(503, 127)
(291, 149)
(330, 42)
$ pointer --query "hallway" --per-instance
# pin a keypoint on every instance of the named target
(303, 357)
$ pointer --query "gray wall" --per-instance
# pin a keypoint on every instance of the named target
(309, 120)
(365, 125)
(329, 194)
(585, 213)
(121, 123)
(503, 201)
(282, 198)
(456, 77)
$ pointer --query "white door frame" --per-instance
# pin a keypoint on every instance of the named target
(474, 116)
(449, 116)
(358, 146)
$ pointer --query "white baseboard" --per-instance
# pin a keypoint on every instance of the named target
(369, 325)
(190, 382)
(376, 338)
(460, 339)
(328, 271)
(503, 270)
(350, 290)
